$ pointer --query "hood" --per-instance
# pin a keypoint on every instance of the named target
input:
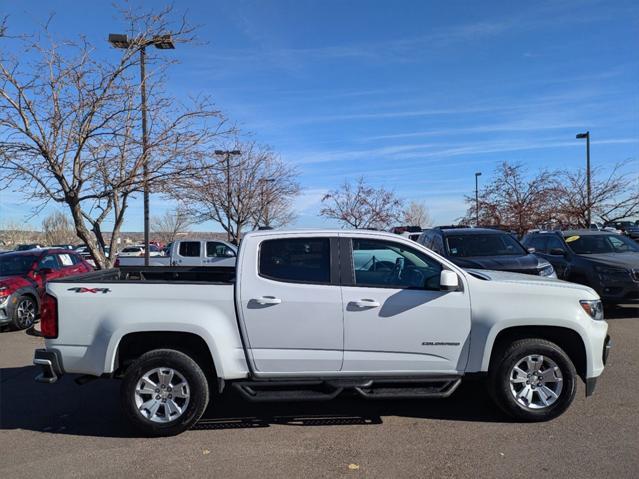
(529, 280)
(527, 263)
(13, 282)
(629, 260)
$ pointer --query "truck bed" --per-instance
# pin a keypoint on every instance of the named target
(157, 274)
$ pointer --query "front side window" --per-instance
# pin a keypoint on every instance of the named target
(538, 242)
(218, 250)
(471, 245)
(386, 264)
(297, 260)
(49, 261)
(190, 249)
(554, 243)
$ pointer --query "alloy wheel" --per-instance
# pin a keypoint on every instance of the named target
(536, 382)
(162, 395)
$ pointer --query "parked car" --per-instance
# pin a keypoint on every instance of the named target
(307, 315)
(188, 252)
(138, 250)
(62, 246)
(27, 247)
(411, 232)
(483, 248)
(607, 262)
(628, 228)
(23, 277)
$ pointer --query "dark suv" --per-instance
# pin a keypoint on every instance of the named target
(628, 228)
(607, 262)
(483, 248)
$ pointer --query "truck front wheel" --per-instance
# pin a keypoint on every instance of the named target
(164, 392)
(533, 380)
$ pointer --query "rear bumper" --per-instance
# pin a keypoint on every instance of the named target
(50, 366)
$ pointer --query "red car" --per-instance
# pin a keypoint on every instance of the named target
(23, 277)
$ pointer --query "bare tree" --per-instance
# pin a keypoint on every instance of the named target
(57, 228)
(613, 197)
(69, 127)
(239, 191)
(416, 214)
(171, 224)
(514, 201)
(14, 233)
(360, 205)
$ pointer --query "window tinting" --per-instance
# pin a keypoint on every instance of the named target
(190, 249)
(304, 260)
(554, 243)
(393, 265)
(538, 242)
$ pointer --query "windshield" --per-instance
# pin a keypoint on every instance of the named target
(597, 244)
(470, 245)
(15, 264)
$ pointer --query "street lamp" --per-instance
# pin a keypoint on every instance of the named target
(227, 155)
(161, 42)
(581, 136)
(477, 175)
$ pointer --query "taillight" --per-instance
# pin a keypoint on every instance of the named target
(49, 317)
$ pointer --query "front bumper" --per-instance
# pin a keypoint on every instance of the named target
(591, 383)
(50, 365)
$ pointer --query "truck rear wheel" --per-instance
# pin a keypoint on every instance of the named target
(533, 380)
(164, 392)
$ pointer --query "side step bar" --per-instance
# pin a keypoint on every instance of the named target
(325, 390)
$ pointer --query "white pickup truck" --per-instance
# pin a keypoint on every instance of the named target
(188, 252)
(306, 315)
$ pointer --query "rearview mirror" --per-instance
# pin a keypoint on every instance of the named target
(448, 280)
(557, 252)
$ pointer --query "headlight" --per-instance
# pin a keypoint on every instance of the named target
(612, 275)
(594, 308)
(546, 269)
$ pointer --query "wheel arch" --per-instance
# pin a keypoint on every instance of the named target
(567, 339)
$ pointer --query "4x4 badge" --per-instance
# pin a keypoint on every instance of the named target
(90, 290)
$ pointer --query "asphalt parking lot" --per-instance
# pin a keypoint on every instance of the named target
(65, 430)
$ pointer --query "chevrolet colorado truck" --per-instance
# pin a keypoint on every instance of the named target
(307, 315)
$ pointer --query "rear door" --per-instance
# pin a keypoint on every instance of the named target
(396, 318)
(291, 304)
(189, 253)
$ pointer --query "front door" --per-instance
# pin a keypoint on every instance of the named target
(291, 306)
(396, 318)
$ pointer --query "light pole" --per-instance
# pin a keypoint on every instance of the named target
(581, 136)
(477, 175)
(226, 154)
(161, 42)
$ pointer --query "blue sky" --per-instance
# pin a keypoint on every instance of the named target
(416, 96)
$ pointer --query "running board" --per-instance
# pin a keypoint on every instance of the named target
(327, 389)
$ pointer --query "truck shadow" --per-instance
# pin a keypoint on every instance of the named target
(94, 409)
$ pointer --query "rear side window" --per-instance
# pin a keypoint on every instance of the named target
(538, 242)
(297, 260)
(190, 248)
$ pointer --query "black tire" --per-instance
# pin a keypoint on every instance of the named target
(18, 318)
(500, 380)
(182, 364)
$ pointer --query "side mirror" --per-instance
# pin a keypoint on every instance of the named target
(531, 250)
(557, 252)
(448, 280)
(230, 253)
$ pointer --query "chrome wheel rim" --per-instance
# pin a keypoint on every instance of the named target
(162, 395)
(536, 382)
(26, 313)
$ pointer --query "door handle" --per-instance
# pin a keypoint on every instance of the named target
(268, 300)
(367, 303)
